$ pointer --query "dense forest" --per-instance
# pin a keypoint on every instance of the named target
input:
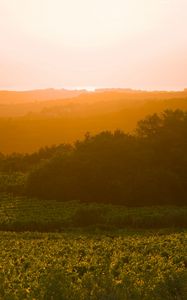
(147, 167)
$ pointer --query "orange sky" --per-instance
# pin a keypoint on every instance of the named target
(93, 43)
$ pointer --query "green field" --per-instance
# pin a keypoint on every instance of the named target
(93, 266)
(20, 214)
(72, 250)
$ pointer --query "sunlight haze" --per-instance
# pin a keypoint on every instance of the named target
(138, 44)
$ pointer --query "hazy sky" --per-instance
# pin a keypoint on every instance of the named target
(97, 43)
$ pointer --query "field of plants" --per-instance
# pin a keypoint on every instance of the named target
(93, 266)
(27, 214)
(72, 250)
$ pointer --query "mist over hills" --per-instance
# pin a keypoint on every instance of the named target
(55, 103)
(30, 120)
(14, 97)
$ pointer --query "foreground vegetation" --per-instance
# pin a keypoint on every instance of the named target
(97, 267)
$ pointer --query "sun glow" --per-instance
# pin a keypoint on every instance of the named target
(82, 23)
(93, 43)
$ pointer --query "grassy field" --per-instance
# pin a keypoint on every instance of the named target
(70, 250)
(20, 214)
(87, 266)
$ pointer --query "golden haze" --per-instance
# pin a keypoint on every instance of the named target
(26, 124)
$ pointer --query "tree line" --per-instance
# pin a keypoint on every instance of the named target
(147, 167)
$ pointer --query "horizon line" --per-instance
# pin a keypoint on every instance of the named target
(90, 89)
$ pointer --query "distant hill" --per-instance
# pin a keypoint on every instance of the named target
(13, 97)
(57, 103)
(27, 126)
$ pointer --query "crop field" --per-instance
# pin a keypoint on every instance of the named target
(27, 214)
(87, 251)
(93, 266)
